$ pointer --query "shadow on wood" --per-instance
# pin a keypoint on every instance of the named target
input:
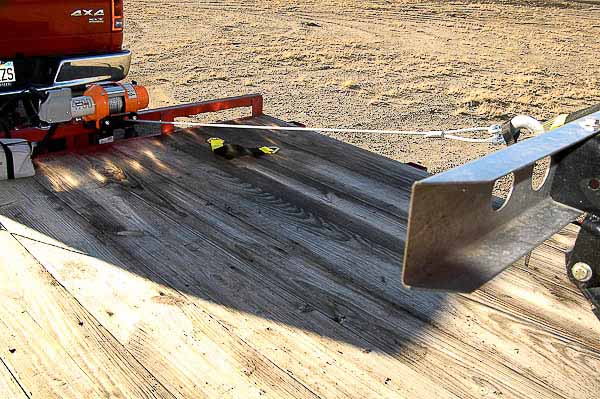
(287, 263)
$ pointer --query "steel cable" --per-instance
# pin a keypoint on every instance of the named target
(451, 134)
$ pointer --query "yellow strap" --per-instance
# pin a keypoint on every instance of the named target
(556, 122)
(269, 150)
(216, 143)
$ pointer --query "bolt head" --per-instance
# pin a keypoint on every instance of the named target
(582, 272)
(590, 124)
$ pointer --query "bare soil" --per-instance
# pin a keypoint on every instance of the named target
(374, 64)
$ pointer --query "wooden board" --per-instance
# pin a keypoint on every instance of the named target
(51, 345)
(279, 276)
(9, 386)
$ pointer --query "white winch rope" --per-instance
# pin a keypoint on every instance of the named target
(443, 134)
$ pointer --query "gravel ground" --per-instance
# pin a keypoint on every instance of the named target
(374, 64)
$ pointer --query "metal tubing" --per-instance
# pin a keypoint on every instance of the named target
(75, 133)
(168, 114)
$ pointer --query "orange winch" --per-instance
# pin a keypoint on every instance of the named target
(111, 99)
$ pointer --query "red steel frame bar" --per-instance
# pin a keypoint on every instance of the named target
(76, 133)
(169, 114)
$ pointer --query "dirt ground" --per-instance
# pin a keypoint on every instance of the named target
(374, 64)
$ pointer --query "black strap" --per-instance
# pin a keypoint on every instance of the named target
(47, 138)
(10, 162)
(510, 134)
(231, 151)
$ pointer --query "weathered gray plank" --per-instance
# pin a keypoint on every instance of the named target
(193, 343)
(388, 193)
(361, 161)
(187, 213)
(52, 345)
(231, 178)
(355, 209)
(177, 262)
(188, 351)
(540, 365)
(134, 183)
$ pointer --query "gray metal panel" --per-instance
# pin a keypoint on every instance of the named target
(458, 242)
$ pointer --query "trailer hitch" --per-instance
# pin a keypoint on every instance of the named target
(457, 240)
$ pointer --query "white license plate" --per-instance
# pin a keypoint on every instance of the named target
(7, 73)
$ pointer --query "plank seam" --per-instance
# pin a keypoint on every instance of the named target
(532, 322)
(167, 283)
(353, 331)
(345, 327)
(17, 236)
(543, 326)
(104, 329)
(220, 322)
(14, 377)
(547, 280)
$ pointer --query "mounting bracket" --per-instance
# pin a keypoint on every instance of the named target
(577, 184)
(457, 240)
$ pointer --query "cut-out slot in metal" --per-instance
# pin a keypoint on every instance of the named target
(457, 241)
(503, 189)
(541, 170)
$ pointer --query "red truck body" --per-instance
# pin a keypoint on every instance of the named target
(52, 50)
(33, 28)
(49, 44)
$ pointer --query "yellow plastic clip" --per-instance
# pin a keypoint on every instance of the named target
(215, 143)
(269, 150)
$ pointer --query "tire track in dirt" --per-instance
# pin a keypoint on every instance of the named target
(438, 12)
(374, 64)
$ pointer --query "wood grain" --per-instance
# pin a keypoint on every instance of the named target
(176, 257)
(540, 362)
(9, 386)
(281, 276)
(148, 187)
(52, 345)
(152, 321)
(299, 148)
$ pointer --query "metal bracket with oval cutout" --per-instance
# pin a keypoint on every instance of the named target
(457, 240)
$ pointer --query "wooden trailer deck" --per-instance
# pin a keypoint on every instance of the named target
(159, 270)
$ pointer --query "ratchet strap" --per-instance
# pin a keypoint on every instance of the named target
(231, 151)
(563, 119)
(556, 122)
(511, 135)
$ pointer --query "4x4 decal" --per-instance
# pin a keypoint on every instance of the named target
(95, 16)
(85, 13)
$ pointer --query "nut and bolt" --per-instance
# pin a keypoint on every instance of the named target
(582, 272)
(591, 123)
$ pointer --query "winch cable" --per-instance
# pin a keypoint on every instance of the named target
(451, 134)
